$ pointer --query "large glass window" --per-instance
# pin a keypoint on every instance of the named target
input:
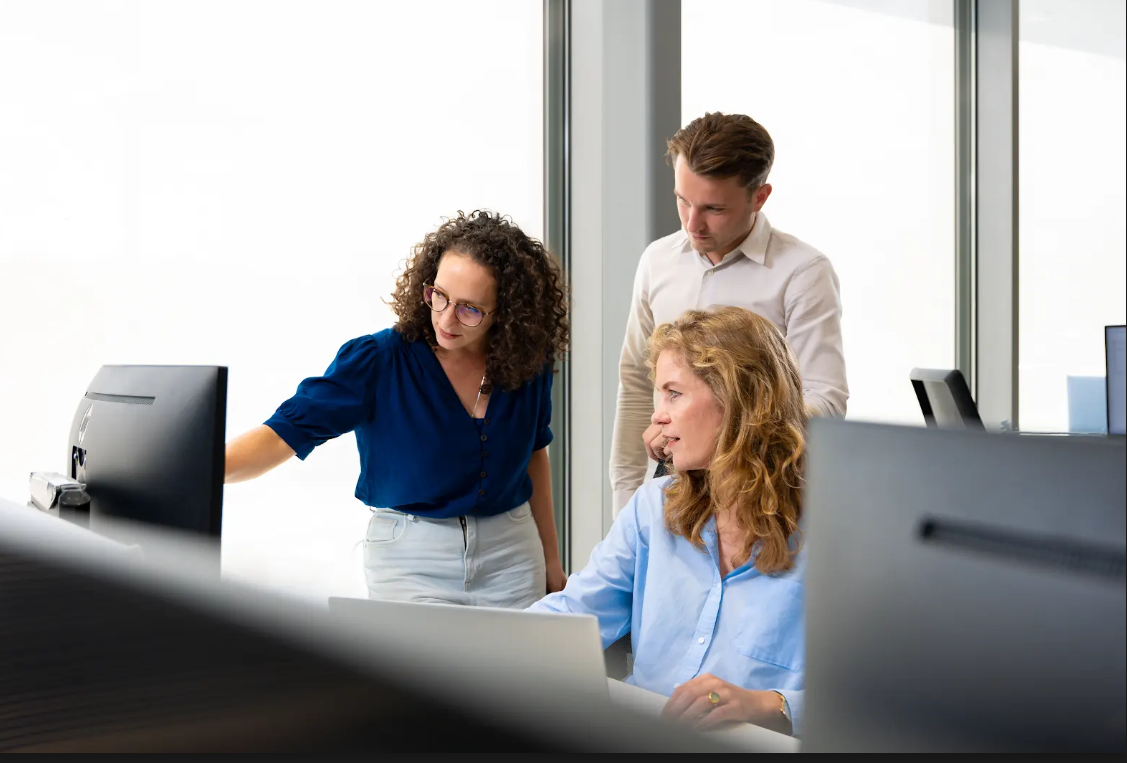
(858, 96)
(238, 182)
(1072, 179)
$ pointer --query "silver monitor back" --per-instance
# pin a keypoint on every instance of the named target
(965, 591)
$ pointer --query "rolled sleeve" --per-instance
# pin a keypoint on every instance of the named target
(299, 442)
(813, 331)
(325, 407)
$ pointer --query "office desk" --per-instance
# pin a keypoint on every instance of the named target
(749, 737)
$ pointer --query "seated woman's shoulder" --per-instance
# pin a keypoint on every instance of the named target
(797, 571)
(649, 499)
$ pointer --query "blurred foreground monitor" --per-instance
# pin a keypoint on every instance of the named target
(121, 647)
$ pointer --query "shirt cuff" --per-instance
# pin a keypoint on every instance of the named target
(290, 435)
(793, 701)
(543, 439)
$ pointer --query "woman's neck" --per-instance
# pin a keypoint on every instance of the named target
(725, 519)
(468, 356)
(725, 512)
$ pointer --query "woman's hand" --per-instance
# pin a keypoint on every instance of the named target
(707, 702)
(556, 576)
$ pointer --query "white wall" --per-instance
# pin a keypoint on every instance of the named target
(859, 99)
(237, 183)
(1072, 145)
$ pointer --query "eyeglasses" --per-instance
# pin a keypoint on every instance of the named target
(438, 300)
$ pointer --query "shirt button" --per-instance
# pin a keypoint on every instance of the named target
(484, 438)
(700, 640)
(485, 454)
(483, 475)
(482, 492)
(487, 422)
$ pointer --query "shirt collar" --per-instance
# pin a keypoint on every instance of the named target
(712, 545)
(754, 247)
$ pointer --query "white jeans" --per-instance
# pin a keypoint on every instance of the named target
(493, 561)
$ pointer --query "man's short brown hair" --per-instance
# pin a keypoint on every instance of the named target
(723, 146)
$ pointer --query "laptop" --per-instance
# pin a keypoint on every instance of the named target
(560, 653)
(1115, 350)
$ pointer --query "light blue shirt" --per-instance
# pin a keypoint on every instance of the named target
(746, 628)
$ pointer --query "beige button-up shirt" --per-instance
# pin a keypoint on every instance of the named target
(771, 273)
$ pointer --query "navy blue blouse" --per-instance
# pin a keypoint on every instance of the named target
(420, 452)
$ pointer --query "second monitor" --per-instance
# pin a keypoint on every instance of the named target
(945, 398)
(149, 443)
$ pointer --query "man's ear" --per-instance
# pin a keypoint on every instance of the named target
(759, 196)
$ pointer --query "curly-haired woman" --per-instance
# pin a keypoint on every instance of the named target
(704, 568)
(451, 409)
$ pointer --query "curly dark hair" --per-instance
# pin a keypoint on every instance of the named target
(530, 325)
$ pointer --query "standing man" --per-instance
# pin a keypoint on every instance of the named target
(726, 253)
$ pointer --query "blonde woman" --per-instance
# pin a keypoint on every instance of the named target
(704, 567)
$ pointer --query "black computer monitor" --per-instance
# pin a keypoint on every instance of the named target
(149, 443)
(1115, 374)
(945, 398)
(964, 591)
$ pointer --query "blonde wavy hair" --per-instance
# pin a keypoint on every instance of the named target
(760, 452)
